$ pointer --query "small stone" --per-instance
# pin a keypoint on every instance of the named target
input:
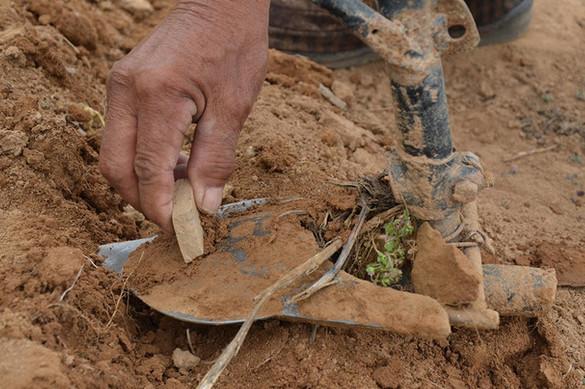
(133, 214)
(228, 191)
(138, 8)
(183, 359)
(45, 19)
(250, 152)
(106, 5)
(442, 271)
(15, 54)
(12, 142)
(68, 360)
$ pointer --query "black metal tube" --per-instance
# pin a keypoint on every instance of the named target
(421, 110)
(421, 107)
(422, 116)
(354, 13)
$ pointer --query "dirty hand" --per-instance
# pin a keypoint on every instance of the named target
(206, 63)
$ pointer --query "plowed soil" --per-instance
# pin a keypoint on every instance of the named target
(55, 208)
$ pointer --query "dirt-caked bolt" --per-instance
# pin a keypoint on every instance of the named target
(465, 191)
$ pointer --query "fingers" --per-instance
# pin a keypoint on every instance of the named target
(212, 161)
(162, 123)
(119, 139)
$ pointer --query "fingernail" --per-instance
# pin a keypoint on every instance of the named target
(211, 200)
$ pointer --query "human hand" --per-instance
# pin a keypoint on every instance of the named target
(206, 63)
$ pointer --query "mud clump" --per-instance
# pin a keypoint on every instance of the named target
(390, 376)
(442, 271)
(25, 364)
(569, 262)
(183, 359)
(60, 265)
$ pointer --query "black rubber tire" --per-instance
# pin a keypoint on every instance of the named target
(300, 27)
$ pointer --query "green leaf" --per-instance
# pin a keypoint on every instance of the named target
(383, 260)
(390, 245)
(390, 229)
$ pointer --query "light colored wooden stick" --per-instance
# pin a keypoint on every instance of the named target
(332, 98)
(232, 349)
(186, 222)
(523, 154)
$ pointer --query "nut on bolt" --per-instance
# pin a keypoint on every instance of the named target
(465, 191)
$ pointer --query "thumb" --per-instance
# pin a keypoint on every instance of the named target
(212, 161)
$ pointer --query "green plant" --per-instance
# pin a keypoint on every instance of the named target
(386, 270)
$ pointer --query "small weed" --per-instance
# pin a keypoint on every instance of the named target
(576, 159)
(580, 95)
(386, 270)
(547, 98)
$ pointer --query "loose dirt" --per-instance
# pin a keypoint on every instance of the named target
(55, 207)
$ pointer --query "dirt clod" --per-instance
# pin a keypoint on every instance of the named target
(61, 264)
(138, 8)
(26, 364)
(12, 142)
(390, 376)
(183, 359)
(442, 271)
(569, 262)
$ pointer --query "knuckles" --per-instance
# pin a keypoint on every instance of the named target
(146, 82)
(146, 167)
(120, 76)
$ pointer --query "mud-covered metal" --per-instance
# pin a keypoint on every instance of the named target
(425, 172)
(513, 290)
(435, 188)
(388, 38)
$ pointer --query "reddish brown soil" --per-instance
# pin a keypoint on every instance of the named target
(54, 56)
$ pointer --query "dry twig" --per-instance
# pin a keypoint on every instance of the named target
(332, 98)
(232, 349)
(88, 259)
(329, 278)
(189, 342)
(381, 218)
(122, 292)
(523, 154)
(72, 284)
(292, 212)
(464, 244)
